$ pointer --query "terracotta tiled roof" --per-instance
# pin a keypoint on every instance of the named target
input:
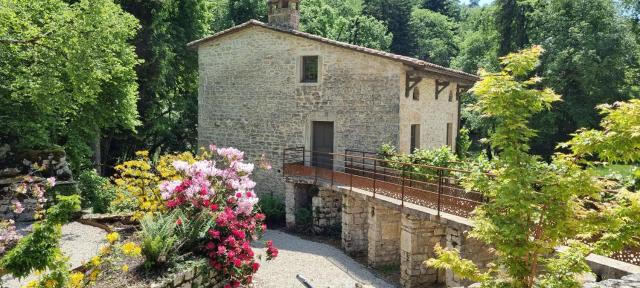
(413, 62)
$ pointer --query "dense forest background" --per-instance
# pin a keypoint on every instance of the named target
(592, 57)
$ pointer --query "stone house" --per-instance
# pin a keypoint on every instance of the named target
(267, 86)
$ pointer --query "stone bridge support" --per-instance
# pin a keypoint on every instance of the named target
(383, 234)
(418, 238)
(327, 210)
(355, 224)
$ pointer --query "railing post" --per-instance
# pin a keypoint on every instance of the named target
(375, 174)
(439, 190)
(402, 196)
(315, 169)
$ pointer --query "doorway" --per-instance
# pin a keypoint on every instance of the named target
(322, 144)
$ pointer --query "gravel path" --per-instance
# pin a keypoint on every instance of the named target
(321, 264)
(80, 242)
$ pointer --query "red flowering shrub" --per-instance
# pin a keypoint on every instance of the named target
(221, 186)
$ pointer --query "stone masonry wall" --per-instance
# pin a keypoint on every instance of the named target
(419, 237)
(383, 234)
(327, 209)
(354, 224)
(432, 114)
(200, 276)
(250, 97)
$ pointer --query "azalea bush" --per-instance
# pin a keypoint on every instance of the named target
(29, 188)
(219, 186)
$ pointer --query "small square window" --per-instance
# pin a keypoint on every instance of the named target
(309, 69)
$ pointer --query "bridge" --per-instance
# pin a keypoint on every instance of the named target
(395, 213)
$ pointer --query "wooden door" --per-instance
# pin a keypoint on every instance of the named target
(322, 143)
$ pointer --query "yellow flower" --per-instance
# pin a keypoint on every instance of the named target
(113, 237)
(105, 250)
(95, 261)
(75, 280)
(142, 153)
(131, 249)
(94, 274)
(50, 283)
(125, 268)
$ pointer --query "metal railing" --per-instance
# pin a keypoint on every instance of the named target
(429, 186)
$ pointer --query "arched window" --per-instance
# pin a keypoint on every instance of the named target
(285, 4)
(416, 93)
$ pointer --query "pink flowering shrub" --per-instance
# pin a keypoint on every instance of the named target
(29, 187)
(221, 185)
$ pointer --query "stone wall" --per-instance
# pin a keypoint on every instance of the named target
(383, 235)
(632, 280)
(355, 225)
(198, 276)
(418, 238)
(250, 97)
(432, 114)
(327, 210)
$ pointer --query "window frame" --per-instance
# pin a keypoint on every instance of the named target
(302, 79)
(414, 137)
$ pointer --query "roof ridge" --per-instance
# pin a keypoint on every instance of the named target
(396, 57)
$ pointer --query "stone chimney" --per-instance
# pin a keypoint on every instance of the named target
(284, 13)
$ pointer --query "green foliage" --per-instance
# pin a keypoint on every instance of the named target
(450, 259)
(192, 228)
(241, 11)
(273, 208)
(463, 143)
(477, 41)
(40, 249)
(343, 21)
(168, 77)
(533, 206)
(434, 36)
(449, 8)
(396, 14)
(96, 191)
(159, 240)
(66, 73)
(304, 221)
(583, 39)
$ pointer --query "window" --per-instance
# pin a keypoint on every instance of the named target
(450, 134)
(285, 3)
(450, 96)
(415, 137)
(416, 93)
(309, 69)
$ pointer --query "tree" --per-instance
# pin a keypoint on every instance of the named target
(449, 8)
(512, 23)
(66, 74)
(168, 78)
(241, 11)
(477, 41)
(343, 21)
(396, 14)
(434, 36)
(583, 39)
(534, 207)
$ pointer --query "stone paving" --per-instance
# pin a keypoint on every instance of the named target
(321, 264)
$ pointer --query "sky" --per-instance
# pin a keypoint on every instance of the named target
(482, 2)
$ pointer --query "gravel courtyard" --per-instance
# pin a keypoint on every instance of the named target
(321, 264)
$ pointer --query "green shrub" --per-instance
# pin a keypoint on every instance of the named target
(192, 228)
(40, 250)
(304, 221)
(159, 240)
(273, 208)
(96, 191)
